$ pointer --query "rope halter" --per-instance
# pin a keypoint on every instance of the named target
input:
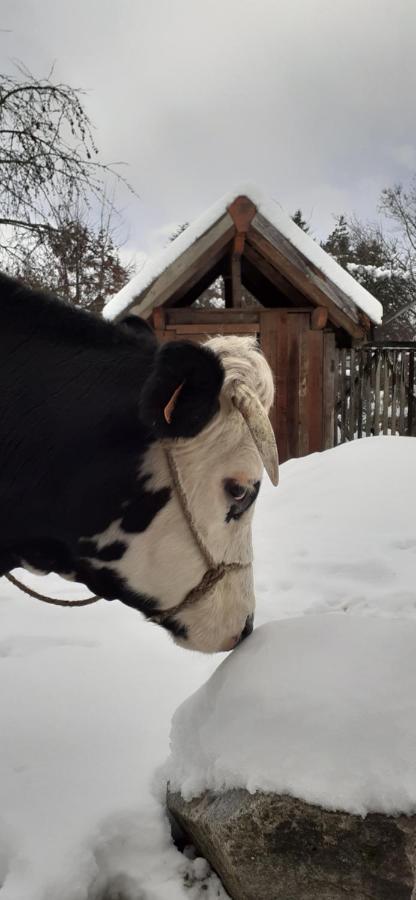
(215, 572)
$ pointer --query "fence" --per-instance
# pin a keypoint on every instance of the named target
(375, 391)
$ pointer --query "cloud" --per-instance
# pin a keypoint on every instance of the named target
(405, 155)
(310, 99)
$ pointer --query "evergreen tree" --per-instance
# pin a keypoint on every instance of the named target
(374, 262)
(338, 242)
(298, 219)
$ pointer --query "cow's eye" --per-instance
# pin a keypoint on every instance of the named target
(235, 490)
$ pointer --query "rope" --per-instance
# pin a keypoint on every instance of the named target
(174, 474)
(208, 581)
(214, 573)
(54, 600)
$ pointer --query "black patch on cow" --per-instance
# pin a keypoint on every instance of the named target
(200, 373)
(72, 439)
(46, 555)
(106, 583)
(108, 553)
(8, 561)
(175, 627)
(142, 509)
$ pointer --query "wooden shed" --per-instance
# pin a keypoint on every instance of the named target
(279, 285)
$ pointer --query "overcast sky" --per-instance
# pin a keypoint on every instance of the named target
(312, 100)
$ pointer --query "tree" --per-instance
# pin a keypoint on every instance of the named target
(298, 219)
(177, 231)
(47, 153)
(338, 242)
(375, 262)
(77, 262)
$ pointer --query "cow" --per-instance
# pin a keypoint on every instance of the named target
(132, 466)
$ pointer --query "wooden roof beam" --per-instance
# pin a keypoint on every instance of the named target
(242, 212)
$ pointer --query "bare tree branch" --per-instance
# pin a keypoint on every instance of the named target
(48, 153)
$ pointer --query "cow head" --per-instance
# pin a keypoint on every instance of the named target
(207, 408)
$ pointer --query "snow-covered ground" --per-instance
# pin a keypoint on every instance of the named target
(87, 695)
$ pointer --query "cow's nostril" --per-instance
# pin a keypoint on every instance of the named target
(248, 628)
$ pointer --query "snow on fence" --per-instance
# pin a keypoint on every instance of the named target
(375, 391)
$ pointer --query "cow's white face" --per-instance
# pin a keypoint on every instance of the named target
(220, 471)
(210, 475)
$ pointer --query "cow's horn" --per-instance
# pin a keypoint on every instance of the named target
(260, 428)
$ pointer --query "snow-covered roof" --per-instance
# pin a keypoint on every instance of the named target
(321, 267)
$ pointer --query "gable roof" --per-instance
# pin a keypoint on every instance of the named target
(287, 256)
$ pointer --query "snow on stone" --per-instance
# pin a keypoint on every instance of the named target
(155, 265)
(88, 694)
(320, 707)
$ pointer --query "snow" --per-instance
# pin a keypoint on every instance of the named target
(276, 215)
(378, 272)
(320, 707)
(86, 701)
(88, 694)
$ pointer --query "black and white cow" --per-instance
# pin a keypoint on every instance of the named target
(93, 415)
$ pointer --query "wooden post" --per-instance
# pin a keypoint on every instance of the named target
(369, 372)
(386, 393)
(159, 318)
(394, 394)
(410, 393)
(343, 381)
(377, 394)
(228, 287)
(402, 395)
(352, 396)
(236, 279)
(242, 212)
(361, 370)
(319, 318)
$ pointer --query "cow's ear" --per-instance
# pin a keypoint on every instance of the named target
(181, 394)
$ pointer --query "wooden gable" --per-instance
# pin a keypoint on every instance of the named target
(248, 250)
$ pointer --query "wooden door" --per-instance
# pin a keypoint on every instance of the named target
(298, 356)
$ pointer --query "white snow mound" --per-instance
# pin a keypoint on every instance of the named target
(321, 707)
